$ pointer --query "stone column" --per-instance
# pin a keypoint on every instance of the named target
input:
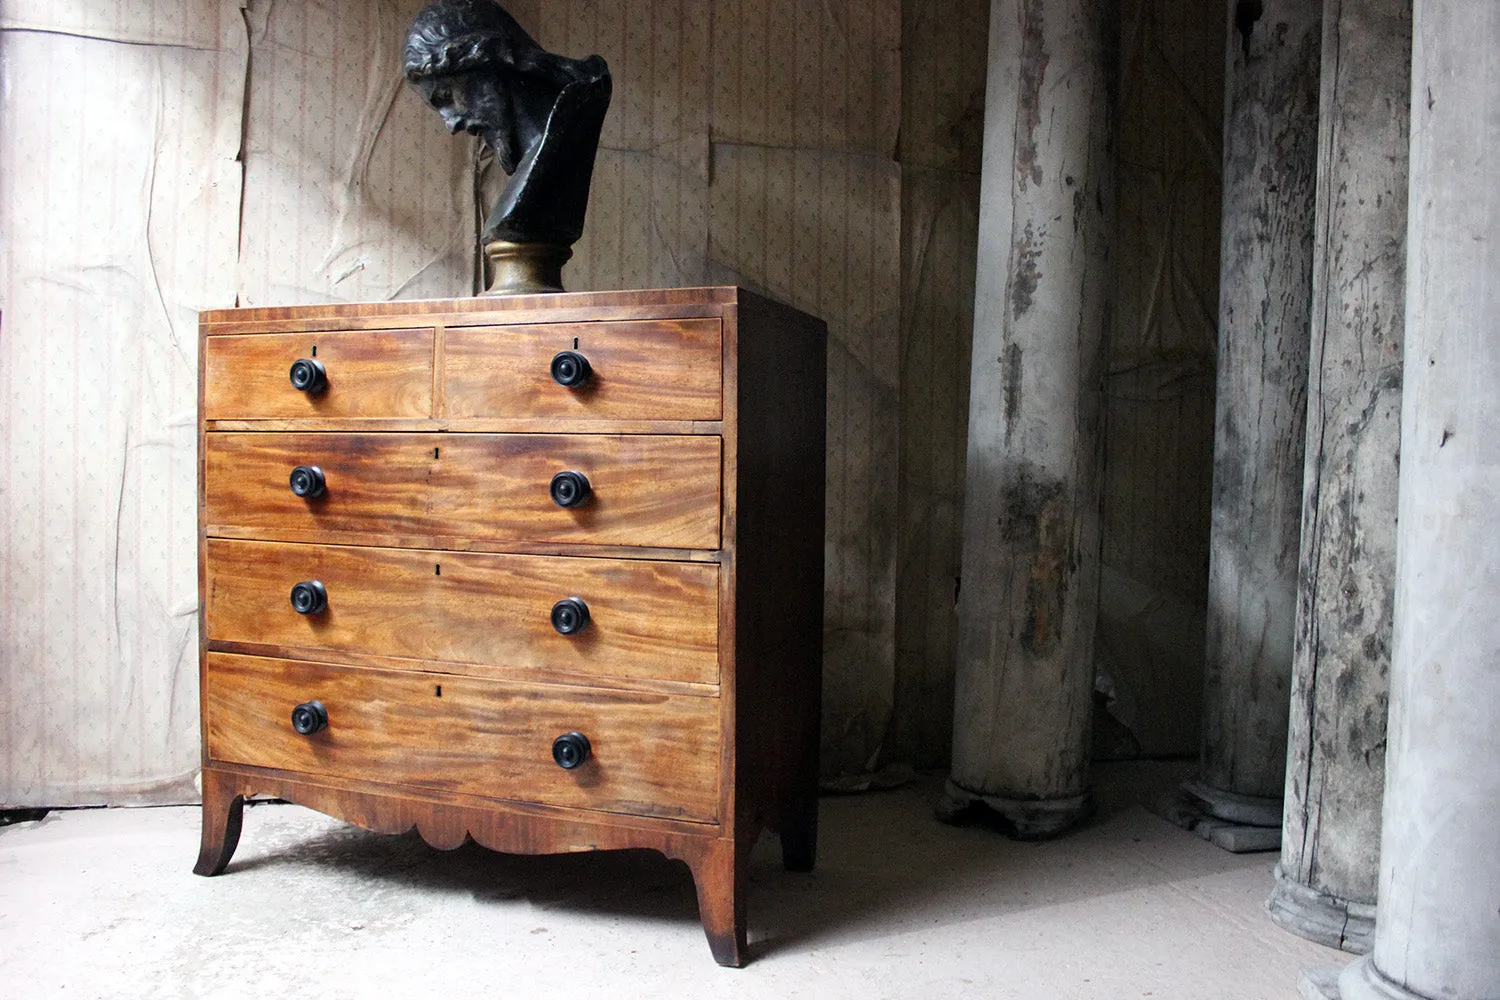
(1030, 578)
(1437, 933)
(1265, 296)
(1330, 844)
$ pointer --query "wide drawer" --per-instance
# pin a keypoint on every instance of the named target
(646, 370)
(651, 755)
(369, 373)
(646, 620)
(647, 490)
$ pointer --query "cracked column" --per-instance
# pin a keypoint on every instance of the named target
(1029, 593)
(1330, 844)
(1265, 298)
(1437, 932)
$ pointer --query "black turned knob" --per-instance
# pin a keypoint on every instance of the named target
(309, 597)
(569, 489)
(570, 615)
(570, 750)
(308, 482)
(309, 717)
(571, 369)
(309, 376)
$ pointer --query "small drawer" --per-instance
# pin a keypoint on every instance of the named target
(648, 755)
(642, 490)
(639, 619)
(647, 370)
(375, 373)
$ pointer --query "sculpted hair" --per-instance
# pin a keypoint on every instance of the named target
(456, 36)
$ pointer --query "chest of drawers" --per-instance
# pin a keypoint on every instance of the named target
(545, 572)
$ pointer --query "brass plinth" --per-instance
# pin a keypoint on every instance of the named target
(525, 268)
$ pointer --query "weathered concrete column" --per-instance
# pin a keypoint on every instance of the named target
(1330, 844)
(1265, 296)
(1030, 583)
(1437, 933)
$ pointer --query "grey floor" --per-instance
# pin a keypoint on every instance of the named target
(101, 903)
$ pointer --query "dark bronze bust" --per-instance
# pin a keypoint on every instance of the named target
(540, 113)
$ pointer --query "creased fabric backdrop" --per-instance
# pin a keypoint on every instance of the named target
(159, 157)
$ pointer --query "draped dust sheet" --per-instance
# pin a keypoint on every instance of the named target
(158, 157)
(119, 204)
(1159, 392)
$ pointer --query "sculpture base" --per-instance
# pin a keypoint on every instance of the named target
(525, 268)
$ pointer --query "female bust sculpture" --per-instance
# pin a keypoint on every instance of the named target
(540, 113)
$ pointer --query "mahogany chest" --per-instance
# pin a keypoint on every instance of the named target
(542, 571)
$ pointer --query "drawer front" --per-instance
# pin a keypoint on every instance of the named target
(376, 373)
(649, 370)
(646, 620)
(647, 490)
(651, 755)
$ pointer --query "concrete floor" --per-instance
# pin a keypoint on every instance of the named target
(101, 903)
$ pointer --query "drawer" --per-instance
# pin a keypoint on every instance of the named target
(650, 755)
(646, 620)
(648, 370)
(375, 373)
(647, 490)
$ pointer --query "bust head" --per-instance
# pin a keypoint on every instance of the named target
(541, 113)
(467, 58)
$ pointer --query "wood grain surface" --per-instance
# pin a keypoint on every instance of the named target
(648, 620)
(647, 303)
(375, 373)
(653, 755)
(647, 490)
(700, 556)
(648, 370)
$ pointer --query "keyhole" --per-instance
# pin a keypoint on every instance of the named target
(575, 343)
(434, 453)
(437, 692)
(315, 350)
(437, 569)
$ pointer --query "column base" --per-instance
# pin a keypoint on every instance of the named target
(1027, 819)
(1246, 810)
(1359, 981)
(1318, 916)
(1321, 982)
(1186, 808)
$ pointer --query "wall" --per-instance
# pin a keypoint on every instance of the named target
(1159, 396)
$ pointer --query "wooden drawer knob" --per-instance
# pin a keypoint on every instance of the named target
(571, 370)
(570, 750)
(570, 489)
(309, 597)
(309, 717)
(308, 482)
(570, 616)
(309, 376)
